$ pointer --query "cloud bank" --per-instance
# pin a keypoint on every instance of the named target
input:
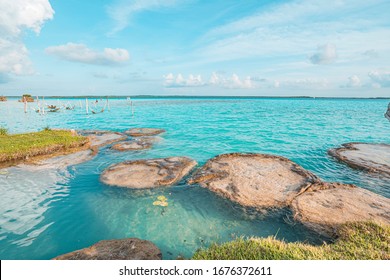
(172, 81)
(17, 16)
(82, 54)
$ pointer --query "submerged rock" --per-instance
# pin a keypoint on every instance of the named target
(135, 144)
(148, 173)
(369, 157)
(119, 249)
(254, 180)
(135, 132)
(99, 138)
(62, 161)
(326, 206)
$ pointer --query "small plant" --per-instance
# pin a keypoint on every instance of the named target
(3, 131)
(47, 128)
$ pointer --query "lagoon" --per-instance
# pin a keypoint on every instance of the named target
(45, 214)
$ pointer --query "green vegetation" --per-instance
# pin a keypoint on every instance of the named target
(28, 98)
(3, 131)
(21, 146)
(356, 241)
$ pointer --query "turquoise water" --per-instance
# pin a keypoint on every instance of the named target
(47, 213)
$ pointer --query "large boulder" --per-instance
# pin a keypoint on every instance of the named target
(324, 207)
(136, 132)
(119, 249)
(254, 180)
(148, 173)
(99, 138)
(369, 157)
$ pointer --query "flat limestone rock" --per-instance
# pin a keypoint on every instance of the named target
(63, 161)
(254, 180)
(136, 144)
(99, 138)
(136, 132)
(369, 157)
(148, 173)
(326, 206)
(119, 249)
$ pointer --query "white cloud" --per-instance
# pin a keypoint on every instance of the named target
(16, 16)
(325, 54)
(179, 81)
(380, 79)
(81, 53)
(122, 11)
(217, 80)
(354, 81)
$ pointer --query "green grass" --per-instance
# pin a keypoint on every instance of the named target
(21, 146)
(356, 241)
(3, 131)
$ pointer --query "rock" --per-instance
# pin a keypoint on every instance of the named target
(99, 138)
(369, 157)
(387, 114)
(326, 206)
(136, 144)
(135, 132)
(148, 173)
(254, 180)
(119, 249)
(61, 162)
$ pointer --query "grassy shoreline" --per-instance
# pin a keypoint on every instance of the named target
(19, 147)
(356, 241)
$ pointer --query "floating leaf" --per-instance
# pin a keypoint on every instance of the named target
(163, 203)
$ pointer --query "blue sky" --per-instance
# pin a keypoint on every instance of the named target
(189, 47)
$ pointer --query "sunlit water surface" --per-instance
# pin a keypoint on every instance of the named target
(44, 213)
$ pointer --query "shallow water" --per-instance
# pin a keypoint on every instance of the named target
(47, 213)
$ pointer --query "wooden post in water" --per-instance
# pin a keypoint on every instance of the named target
(108, 104)
(43, 105)
(25, 104)
(39, 108)
(86, 105)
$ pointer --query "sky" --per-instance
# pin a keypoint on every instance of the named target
(195, 47)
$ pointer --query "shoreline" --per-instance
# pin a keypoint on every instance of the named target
(199, 97)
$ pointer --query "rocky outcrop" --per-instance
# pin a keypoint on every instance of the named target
(136, 132)
(135, 144)
(99, 138)
(254, 180)
(325, 206)
(120, 249)
(365, 156)
(148, 173)
(3, 98)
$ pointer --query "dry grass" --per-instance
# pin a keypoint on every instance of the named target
(357, 241)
